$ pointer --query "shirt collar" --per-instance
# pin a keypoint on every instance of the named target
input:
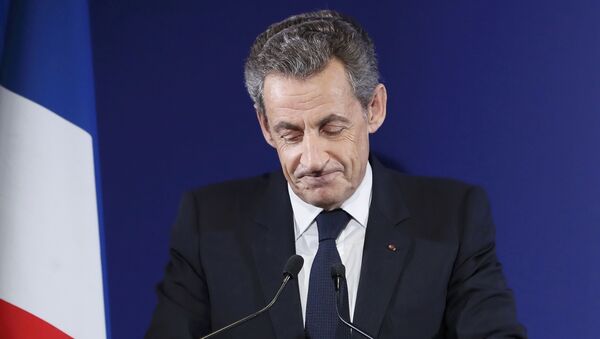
(357, 205)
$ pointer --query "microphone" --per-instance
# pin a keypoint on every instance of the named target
(338, 274)
(290, 271)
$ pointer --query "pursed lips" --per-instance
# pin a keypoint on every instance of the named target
(315, 180)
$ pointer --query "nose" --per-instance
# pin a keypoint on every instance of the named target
(314, 155)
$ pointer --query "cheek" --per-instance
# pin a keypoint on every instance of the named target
(356, 155)
(354, 148)
(362, 143)
(289, 157)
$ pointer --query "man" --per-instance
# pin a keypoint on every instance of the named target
(419, 252)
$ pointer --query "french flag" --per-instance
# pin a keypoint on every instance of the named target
(51, 273)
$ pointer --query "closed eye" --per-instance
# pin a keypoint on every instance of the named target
(291, 137)
(332, 130)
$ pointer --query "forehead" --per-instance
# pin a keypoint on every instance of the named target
(327, 92)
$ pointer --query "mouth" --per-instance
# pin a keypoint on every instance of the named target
(319, 180)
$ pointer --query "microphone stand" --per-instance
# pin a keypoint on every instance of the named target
(352, 327)
(253, 315)
(290, 271)
(338, 273)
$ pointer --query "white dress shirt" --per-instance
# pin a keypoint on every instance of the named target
(349, 243)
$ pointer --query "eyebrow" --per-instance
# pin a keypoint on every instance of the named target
(286, 125)
(330, 118)
(333, 117)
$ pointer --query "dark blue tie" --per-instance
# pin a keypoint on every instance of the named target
(321, 318)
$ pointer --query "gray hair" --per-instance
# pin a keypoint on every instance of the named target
(302, 45)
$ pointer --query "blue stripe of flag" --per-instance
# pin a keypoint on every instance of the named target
(3, 16)
(47, 57)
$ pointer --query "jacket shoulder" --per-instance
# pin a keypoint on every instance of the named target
(234, 188)
(437, 200)
(431, 187)
(232, 201)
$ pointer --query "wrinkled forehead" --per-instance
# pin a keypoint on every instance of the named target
(327, 89)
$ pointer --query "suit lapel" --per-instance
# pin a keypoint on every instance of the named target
(385, 251)
(273, 243)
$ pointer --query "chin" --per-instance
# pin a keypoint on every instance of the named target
(323, 200)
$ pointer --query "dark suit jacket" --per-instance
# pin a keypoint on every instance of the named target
(231, 240)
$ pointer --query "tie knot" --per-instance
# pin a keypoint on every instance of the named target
(331, 223)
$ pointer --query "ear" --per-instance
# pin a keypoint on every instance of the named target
(377, 108)
(264, 127)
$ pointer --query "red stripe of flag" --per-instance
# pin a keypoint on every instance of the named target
(16, 323)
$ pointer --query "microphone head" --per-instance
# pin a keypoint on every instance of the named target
(338, 270)
(293, 266)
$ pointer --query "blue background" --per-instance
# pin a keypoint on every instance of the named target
(505, 94)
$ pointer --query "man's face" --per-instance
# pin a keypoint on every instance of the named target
(320, 132)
